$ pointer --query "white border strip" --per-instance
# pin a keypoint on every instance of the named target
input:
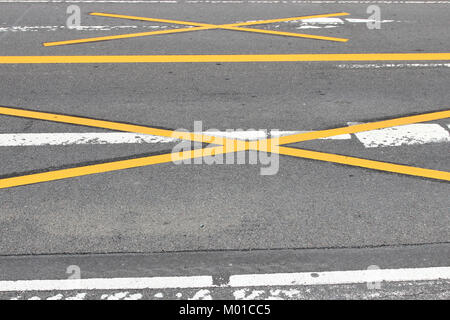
(413, 134)
(340, 277)
(65, 139)
(107, 284)
(249, 280)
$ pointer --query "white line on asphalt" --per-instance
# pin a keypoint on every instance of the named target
(64, 139)
(304, 24)
(413, 134)
(339, 277)
(243, 280)
(107, 284)
(80, 28)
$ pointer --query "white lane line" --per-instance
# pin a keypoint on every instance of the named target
(107, 284)
(242, 280)
(339, 277)
(80, 28)
(313, 23)
(392, 65)
(412, 134)
(64, 139)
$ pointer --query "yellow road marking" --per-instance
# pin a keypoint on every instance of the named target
(201, 26)
(364, 163)
(120, 165)
(121, 36)
(111, 125)
(288, 34)
(97, 168)
(227, 145)
(327, 57)
(364, 127)
(237, 24)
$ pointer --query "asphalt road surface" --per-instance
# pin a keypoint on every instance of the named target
(204, 209)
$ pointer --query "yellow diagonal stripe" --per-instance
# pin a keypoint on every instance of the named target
(118, 126)
(121, 36)
(287, 34)
(99, 168)
(364, 163)
(364, 127)
(238, 24)
(200, 26)
(229, 145)
(119, 165)
(122, 16)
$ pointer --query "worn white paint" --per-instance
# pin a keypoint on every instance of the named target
(202, 294)
(61, 139)
(397, 136)
(107, 284)
(242, 281)
(339, 277)
(80, 28)
(78, 296)
(412, 134)
(64, 139)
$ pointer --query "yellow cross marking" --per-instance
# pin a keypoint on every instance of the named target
(225, 145)
(203, 26)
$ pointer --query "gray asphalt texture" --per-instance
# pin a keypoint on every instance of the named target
(222, 264)
(163, 208)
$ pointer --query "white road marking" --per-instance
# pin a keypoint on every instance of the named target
(121, 296)
(412, 134)
(64, 139)
(366, 20)
(241, 294)
(107, 284)
(80, 28)
(61, 139)
(78, 296)
(392, 65)
(339, 277)
(243, 280)
(304, 24)
(202, 294)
